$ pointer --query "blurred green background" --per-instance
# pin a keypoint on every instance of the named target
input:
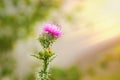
(88, 50)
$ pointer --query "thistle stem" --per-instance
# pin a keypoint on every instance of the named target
(44, 73)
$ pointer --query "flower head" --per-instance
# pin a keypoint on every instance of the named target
(52, 29)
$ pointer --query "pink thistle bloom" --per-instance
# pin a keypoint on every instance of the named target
(52, 29)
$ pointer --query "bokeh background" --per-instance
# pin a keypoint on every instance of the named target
(89, 49)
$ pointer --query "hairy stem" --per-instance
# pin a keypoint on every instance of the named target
(44, 73)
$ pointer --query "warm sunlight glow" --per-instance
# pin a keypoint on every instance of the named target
(104, 14)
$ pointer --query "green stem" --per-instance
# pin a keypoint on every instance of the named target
(45, 74)
(45, 66)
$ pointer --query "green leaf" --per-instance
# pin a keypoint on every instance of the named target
(36, 56)
(52, 57)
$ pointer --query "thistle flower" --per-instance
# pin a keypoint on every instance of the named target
(52, 29)
(50, 34)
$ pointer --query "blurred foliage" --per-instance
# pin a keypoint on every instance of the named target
(17, 20)
(91, 71)
(30, 76)
(112, 77)
(7, 65)
(112, 55)
(72, 73)
(108, 65)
